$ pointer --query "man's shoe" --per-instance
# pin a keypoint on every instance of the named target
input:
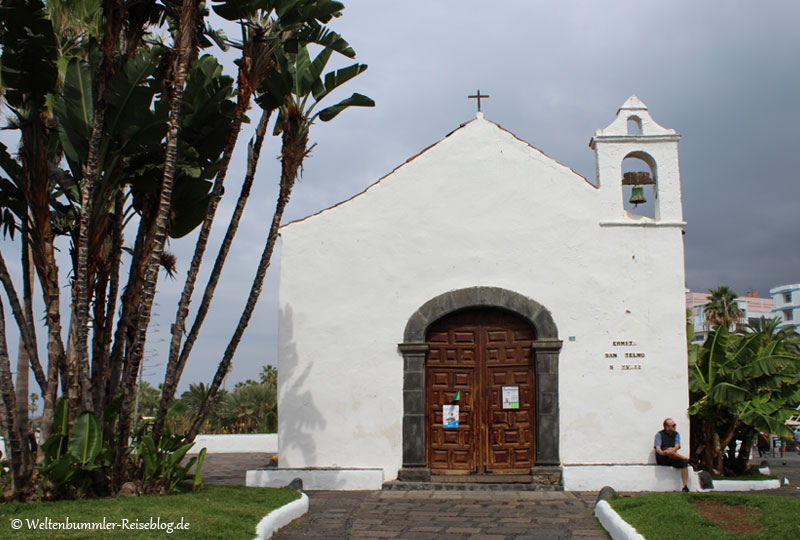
(685, 489)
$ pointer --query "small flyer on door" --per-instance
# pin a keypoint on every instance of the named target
(450, 416)
(511, 397)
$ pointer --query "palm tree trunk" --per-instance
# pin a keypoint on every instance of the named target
(157, 232)
(27, 334)
(103, 381)
(79, 362)
(176, 362)
(124, 335)
(293, 151)
(23, 361)
(20, 473)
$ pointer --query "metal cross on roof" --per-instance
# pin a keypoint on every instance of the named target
(478, 96)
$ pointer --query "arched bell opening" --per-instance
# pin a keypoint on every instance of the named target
(634, 125)
(639, 185)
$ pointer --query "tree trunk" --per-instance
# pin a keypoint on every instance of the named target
(27, 333)
(103, 335)
(47, 270)
(23, 361)
(293, 151)
(79, 362)
(177, 363)
(157, 233)
(123, 337)
(20, 473)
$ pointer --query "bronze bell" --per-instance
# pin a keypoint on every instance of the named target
(637, 196)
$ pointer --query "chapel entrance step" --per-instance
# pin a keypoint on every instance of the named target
(399, 485)
(482, 479)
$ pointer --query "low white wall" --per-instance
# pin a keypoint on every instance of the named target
(744, 485)
(252, 442)
(625, 478)
(318, 479)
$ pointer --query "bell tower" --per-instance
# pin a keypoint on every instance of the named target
(634, 134)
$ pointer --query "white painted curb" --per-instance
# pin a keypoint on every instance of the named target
(281, 517)
(743, 485)
(618, 528)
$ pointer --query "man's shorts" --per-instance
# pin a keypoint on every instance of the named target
(671, 462)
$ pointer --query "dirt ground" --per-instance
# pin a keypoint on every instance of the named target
(740, 519)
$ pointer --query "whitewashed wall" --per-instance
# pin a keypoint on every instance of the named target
(481, 208)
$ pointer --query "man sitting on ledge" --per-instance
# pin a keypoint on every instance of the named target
(667, 444)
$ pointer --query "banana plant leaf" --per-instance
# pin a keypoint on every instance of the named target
(356, 100)
(85, 438)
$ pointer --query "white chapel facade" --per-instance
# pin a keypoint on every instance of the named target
(484, 278)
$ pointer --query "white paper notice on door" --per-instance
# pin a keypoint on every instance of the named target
(450, 416)
(511, 397)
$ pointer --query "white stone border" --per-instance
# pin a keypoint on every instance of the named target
(235, 443)
(743, 485)
(617, 528)
(318, 479)
(280, 517)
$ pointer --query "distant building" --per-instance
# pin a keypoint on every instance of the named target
(753, 308)
(786, 305)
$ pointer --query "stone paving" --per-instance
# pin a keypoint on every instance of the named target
(425, 515)
(448, 515)
(439, 515)
(787, 467)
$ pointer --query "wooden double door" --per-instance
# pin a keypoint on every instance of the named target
(479, 354)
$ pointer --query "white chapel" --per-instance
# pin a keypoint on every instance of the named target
(485, 313)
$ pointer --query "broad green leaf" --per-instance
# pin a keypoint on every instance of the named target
(319, 63)
(283, 7)
(10, 165)
(62, 470)
(321, 36)
(303, 79)
(234, 10)
(356, 100)
(178, 454)
(198, 472)
(29, 68)
(727, 393)
(335, 79)
(75, 112)
(274, 90)
(323, 10)
(86, 438)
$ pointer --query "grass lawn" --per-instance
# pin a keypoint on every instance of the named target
(213, 512)
(668, 516)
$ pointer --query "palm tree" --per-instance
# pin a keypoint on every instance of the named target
(157, 229)
(722, 309)
(296, 114)
(263, 37)
(251, 408)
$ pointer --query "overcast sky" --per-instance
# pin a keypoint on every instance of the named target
(722, 74)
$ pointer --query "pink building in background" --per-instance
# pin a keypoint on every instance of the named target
(751, 305)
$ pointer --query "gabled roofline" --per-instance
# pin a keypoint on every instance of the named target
(415, 156)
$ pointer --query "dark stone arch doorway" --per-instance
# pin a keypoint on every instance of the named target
(414, 349)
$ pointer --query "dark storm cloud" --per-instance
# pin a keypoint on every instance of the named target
(723, 74)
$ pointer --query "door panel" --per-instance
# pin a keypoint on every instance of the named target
(451, 449)
(511, 444)
(477, 352)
